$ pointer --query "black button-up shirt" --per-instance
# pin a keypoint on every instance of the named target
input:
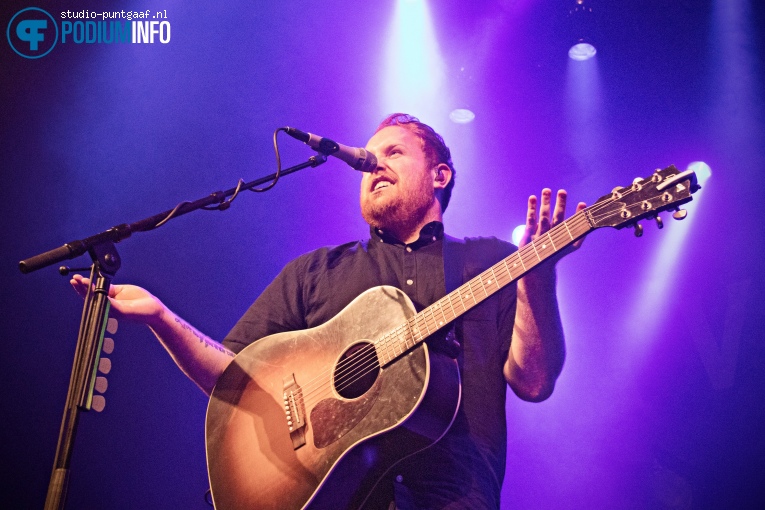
(466, 467)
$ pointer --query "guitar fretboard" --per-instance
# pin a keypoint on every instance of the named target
(423, 324)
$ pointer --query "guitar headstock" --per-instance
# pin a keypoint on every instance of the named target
(665, 190)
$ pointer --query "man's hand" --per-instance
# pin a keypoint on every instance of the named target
(129, 301)
(198, 356)
(537, 350)
(539, 224)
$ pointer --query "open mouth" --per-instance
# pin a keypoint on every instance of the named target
(380, 183)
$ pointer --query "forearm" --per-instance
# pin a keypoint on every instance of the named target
(202, 359)
(537, 350)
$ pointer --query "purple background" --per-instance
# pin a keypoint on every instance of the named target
(662, 400)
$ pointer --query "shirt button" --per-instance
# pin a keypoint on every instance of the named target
(409, 281)
(409, 249)
(399, 478)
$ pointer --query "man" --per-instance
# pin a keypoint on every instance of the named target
(514, 338)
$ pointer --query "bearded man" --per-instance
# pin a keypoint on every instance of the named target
(514, 338)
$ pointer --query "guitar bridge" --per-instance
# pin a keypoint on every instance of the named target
(294, 407)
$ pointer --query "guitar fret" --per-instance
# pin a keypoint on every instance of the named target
(437, 306)
(385, 347)
(507, 268)
(483, 287)
(565, 223)
(416, 333)
(426, 325)
(526, 254)
(447, 315)
(451, 305)
(545, 247)
(391, 346)
(560, 235)
(471, 294)
(533, 245)
(403, 345)
(494, 275)
(380, 346)
(430, 319)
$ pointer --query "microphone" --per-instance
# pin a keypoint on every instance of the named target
(359, 159)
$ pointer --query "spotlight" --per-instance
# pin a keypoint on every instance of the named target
(582, 51)
(461, 116)
(702, 170)
(517, 234)
(582, 19)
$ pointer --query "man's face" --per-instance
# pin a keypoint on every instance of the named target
(400, 191)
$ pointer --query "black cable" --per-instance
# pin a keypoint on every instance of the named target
(278, 164)
(225, 204)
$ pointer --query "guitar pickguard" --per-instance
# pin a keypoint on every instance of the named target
(332, 418)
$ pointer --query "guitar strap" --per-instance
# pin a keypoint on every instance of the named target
(454, 262)
(454, 253)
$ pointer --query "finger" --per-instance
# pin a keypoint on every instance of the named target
(581, 206)
(560, 207)
(80, 284)
(544, 212)
(531, 221)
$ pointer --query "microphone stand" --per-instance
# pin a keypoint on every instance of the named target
(106, 262)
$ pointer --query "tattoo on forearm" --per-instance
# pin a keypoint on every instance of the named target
(202, 338)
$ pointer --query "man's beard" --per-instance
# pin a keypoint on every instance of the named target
(402, 213)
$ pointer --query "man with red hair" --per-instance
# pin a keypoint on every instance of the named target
(514, 338)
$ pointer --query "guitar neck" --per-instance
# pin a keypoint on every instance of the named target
(421, 325)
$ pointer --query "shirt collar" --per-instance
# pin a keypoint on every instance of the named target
(429, 233)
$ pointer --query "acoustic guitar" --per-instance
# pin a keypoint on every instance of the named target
(315, 418)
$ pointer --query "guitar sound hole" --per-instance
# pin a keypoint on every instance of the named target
(356, 371)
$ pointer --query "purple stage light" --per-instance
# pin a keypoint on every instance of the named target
(518, 234)
(702, 170)
(582, 51)
(461, 116)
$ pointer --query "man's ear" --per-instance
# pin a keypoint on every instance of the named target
(442, 176)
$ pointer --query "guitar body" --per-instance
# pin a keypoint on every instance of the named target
(345, 437)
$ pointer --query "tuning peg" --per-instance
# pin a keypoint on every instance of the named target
(638, 230)
(659, 222)
(680, 214)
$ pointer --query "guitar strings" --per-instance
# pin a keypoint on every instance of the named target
(552, 233)
(366, 360)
